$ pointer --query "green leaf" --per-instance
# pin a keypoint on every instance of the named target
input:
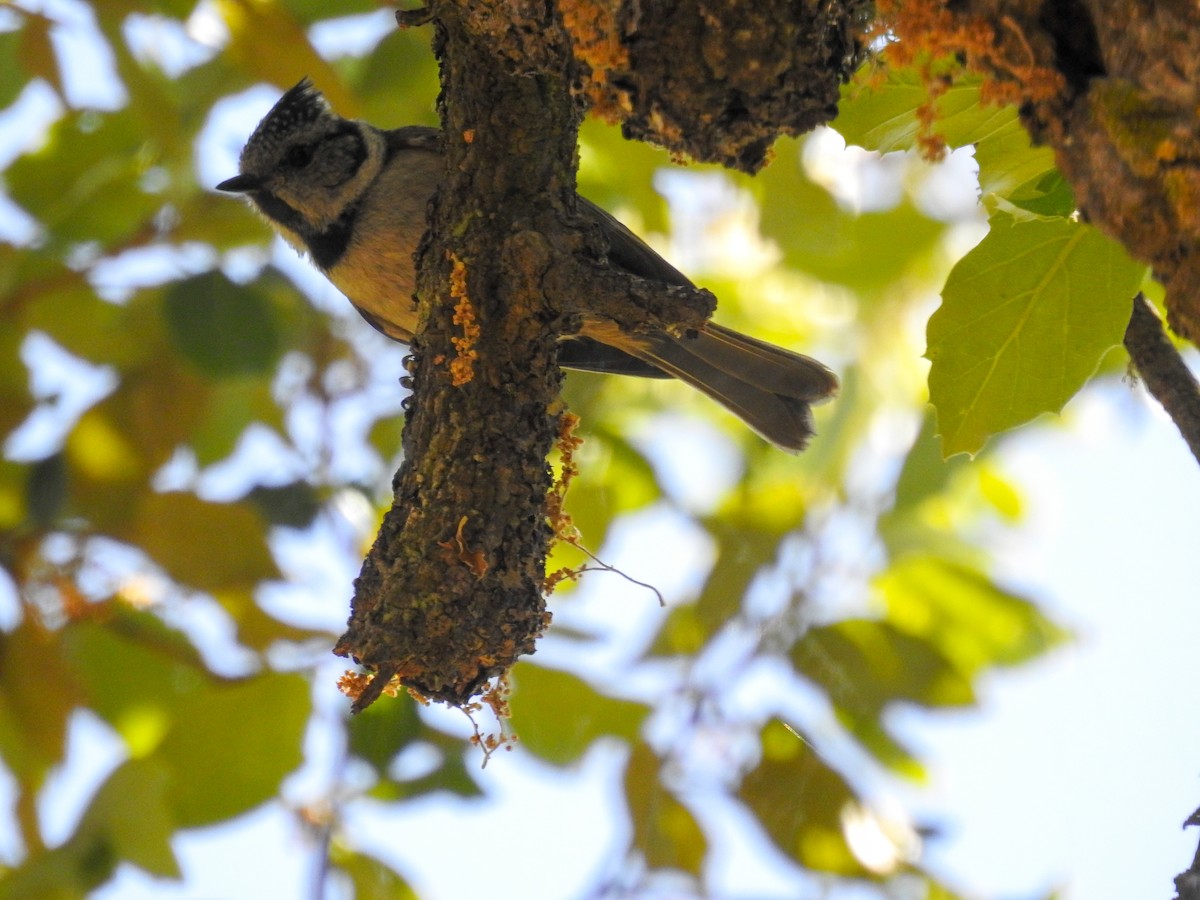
(864, 666)
(231, 405)
(884, 118)
(46, 490)
(222, 327)
(84, 184)
(78, 320)
(201, 543)
(225, 744)
(38, 694)
(866, 252)
(619, 478)
(1025, 319)
(925, 473)
(967, 616)
(742, 552)
(664, 830)
(372, 878)
(135, 670)
(558, 715)
(15, 400)
(230, 746)
(800, 802)
(130, 817)
(13, 495)
(12, 78)
(382, 730)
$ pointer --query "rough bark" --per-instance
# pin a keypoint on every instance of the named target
(717, 81)
(451, 592)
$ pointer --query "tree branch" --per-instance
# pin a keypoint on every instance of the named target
(1167, 379)
(450, 593)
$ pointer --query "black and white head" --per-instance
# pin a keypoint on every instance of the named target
(304, 166)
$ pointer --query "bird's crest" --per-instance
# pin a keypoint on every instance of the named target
(299, 107)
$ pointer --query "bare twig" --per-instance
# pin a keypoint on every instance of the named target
(1167, 379)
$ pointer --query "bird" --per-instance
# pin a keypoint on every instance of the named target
(352, 198)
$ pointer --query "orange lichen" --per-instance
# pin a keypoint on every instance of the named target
(943, 46)
(596, 42)
(462, 367)
(567, 443)
(352, 684)
(457, 551)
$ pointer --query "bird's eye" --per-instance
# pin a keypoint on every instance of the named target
(299, 156)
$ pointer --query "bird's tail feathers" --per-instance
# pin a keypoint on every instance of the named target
(771, 389)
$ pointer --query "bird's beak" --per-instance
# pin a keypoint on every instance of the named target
(240, 184)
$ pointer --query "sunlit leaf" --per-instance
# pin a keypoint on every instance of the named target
(616, 172)
(558, 716)
(965, 614)
(136, 671)
(664, 830)
(1025, 319)
(230, 746)
(884, 117)
(12, 496)
(800, 802)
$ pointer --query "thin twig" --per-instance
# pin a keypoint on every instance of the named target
(1167, 379)
(602, 566)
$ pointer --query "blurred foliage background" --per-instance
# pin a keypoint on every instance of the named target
(199, 436)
